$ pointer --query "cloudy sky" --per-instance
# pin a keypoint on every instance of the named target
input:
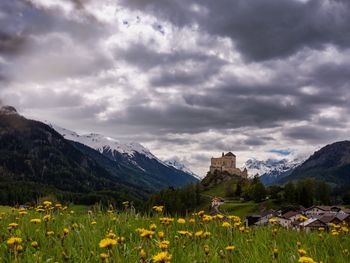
(186, 78)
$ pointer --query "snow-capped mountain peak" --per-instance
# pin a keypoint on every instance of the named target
(180, 166)
(101, 143)
(261, 167)
(271, 170)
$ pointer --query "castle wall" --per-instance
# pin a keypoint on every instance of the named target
(226, 164)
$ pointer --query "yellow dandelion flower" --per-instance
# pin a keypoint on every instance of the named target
(143, 254)
(103, 256)
(206, 249)
(181, 221)
(161, 235)
(35, 220)
(185, 233)
(47, 218)
(207, 218)
(163, 257)
(107, 243)
(50, 233)
(158, 208)
(12, 225)
(306, 260)
(230, 248)
(19, 248)
(302, 218)
(153, 227)
(145, 233)
(166, 220)
(301, 252)
(65, 231)
(34, 244)
(226, 224)
(163, 245)
(273, 221)
(14, 241)
(111, 235)
(47, 203)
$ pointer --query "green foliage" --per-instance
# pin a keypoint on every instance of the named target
(177, 200)
(307, 192)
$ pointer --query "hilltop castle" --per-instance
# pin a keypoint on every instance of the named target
(227, 163)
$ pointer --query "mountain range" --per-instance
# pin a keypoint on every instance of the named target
(331, 164)
(271, 170)
(37, 159)
(148, 171)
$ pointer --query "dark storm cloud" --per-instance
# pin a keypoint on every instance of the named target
(10, 43)
(146, 58)
(312, 133)
(264, 29)
(21, 19)
(255, 141)
(334, 75)
(234, 113)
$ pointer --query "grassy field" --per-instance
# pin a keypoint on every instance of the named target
(238, 209)
(77, 235)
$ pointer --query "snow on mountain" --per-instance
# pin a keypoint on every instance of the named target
(271, 169)
(101, 143)
(255, 166)
(180, 166)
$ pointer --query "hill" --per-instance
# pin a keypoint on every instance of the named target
(35, 160)
(330, 164)
(130, 162)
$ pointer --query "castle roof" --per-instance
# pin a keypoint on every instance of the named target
(230, 154)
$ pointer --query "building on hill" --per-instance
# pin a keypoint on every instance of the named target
(227, 163)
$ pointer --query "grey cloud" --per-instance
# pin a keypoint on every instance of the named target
(10, 43)
(147, 58)
(261, 30)
(310, 133)
(255, 141)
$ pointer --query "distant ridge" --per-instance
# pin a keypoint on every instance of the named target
(331, 164)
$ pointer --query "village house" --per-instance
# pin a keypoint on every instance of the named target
(308, 219)
(265, 216)
(292, 216)
(331, 219)
(227, 163)
(312, 224)
(324, 210)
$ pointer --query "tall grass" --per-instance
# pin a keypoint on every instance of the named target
(86, 230)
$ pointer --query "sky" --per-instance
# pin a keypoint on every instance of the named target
(188, 79)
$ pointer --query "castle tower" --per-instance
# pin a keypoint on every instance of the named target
(226, 163)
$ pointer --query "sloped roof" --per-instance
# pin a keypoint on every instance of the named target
(328, 219)
(310, 221)
(230, 154)
(290, 214)
(343, 216)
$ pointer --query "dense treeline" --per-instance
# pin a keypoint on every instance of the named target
(21, 193)
(305, 192)
(177, 201)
